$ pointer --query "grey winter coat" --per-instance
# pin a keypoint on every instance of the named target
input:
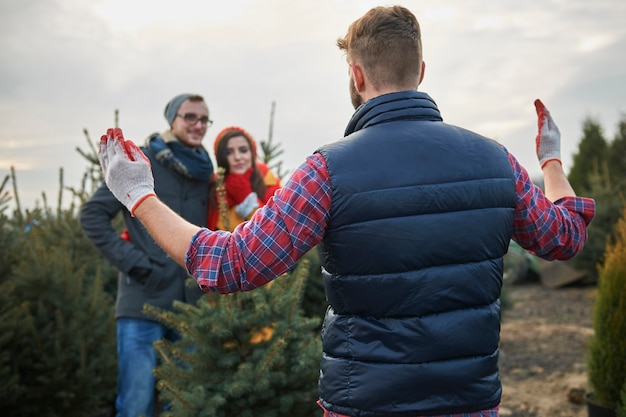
(147, 274)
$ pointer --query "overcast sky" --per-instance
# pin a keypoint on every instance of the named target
(67, 65)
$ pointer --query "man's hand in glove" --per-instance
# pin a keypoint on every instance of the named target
(127, 171)
(548, 137)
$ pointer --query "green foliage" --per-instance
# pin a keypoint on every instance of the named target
(271, 151)
(314, 298)
(14, 320)
(243, 354)
(592, 151)
(57, 330)
(617, 152)
(609, 203)
(605, 182)
(607, 361)
(621, 409)
(8, 234)
(92, 179)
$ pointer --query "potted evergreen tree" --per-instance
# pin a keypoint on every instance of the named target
(606, 364)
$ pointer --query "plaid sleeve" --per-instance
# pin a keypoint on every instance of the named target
(550, 230)
(270, 243)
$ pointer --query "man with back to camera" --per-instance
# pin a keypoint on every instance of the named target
(412, 217)
(182, 169)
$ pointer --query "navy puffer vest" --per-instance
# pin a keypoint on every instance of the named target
(421, 216)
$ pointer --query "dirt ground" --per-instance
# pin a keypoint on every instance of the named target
(543, 351)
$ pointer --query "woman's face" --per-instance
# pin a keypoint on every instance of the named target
(238, 155)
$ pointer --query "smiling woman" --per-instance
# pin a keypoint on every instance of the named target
(128, 16)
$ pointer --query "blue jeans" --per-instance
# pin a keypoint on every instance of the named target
(136, 359)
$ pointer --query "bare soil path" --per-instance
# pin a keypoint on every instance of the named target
(543, 351)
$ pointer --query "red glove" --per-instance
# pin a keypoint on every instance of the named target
(125, 168)
(548, 137)
(238, 187)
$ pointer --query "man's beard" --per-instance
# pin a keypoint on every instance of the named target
(356, 98)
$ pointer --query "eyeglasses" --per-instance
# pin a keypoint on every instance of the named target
(192, 119)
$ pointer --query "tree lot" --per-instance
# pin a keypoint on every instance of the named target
(57, 337)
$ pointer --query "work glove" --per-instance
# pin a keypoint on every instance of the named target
(238, 187)
(126, 170)
(548, 137)
(248, 205)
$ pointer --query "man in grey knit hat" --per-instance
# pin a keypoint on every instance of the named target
(182, 169)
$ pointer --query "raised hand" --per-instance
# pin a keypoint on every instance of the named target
(548, 138)
(127, 171)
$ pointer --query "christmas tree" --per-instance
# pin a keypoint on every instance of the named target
(244, 354)
(57, 328)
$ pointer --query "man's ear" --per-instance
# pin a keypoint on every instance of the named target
(357, 77)
(422, 72)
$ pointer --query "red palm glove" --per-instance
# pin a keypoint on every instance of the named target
(548, 137)
(238, 187)
(126, 169)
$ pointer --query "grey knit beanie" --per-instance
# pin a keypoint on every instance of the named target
(171, 109)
